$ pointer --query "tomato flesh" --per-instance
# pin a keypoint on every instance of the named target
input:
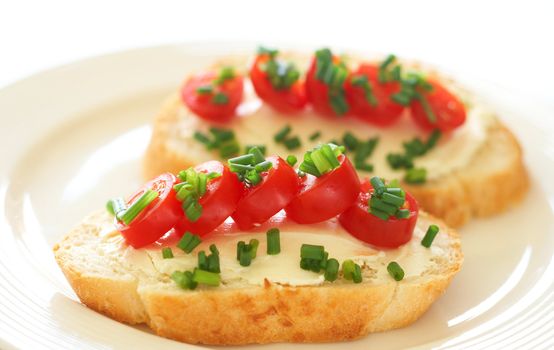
(289, 101)
(203, 105)
(325, 197)
(449, 111)
(367, 227)
(386, 112)
(278, 188)
(218, 203)
(157, 218)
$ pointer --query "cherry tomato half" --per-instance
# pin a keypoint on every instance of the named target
(367, 227)
(278, 187)
(289, 100)
(385, 112)
(217, 102)
(449, 111)
(219, 201)
(325, 197)
(157, 218)
(317, 92)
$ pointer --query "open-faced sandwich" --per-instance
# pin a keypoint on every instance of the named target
(258, 251)
(396, 119)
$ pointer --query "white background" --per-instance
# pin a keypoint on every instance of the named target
(507, 43)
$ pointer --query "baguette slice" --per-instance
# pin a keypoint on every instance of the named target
(110, 281)
(493, 180)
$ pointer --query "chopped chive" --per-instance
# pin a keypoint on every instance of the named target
(351, 271)
(331, 270)
(167, 253)
(188, 242)
(240, 247)
(378, 185)
(416, 176)
(395, 271)
(364, 150)
(315, 136)
(363, 166)
(129, 214)
(202, 138)
(221, 134)
(291, 159)
(393, 199)
(263, 166)
(193, 210)
(226, 73)
(350, 141)
(184, 279)
(430, 236)
(292, 143)
(282, 134)
(202, 260)
(247, 252)
(206, 277)
(213, 263)
(310, 251)
(379, 204)
(245, 159)
(380, 214)
(257, 153)
(229, 149)
(433, 139)
(262, 148)
(254, 243)
(273, 241)
(220, 98)
(204, 89)
(403, 213)
(115, 205)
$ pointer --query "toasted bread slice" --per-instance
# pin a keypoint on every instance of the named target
(107, 276)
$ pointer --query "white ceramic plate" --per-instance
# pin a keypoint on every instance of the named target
(73, 137)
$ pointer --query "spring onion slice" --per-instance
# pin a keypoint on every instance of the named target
(273, 236)
(167, 253)
(206, 277)
(188, 242)
(430, 235)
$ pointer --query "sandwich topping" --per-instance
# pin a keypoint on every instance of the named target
(207, 223)
(291, 105)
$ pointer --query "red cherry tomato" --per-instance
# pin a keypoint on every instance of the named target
(290, 100)
(205, 104)
(327, 196)
(385, 112)
(367, 227)
(449, 111)
(157, 218)
(278, 187)
(318, 92)
(218, 203)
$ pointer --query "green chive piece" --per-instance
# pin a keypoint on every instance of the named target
(350, 141)
(351, 271)
(226, 73)
(377, 203)
(282, 134)
(378, 185)
(220, 98)
(291, 159)
(430, 235)
(245, 159)
(331, 270)
(202, 138)
(292, 143)
(188, 242)
(273, 236)
(309, 251)
(263, 166)
(193, 211)
(115, 205)
(229, 149)
(167, 253)
(403, 213)
(393, 199)
(364, 150)
(184, 279)
(257, 153)
(204, 89)
(129, 214)
(254, 243)
(416, 176)
(395, 271)
(213, 260)
(240, 248)
(247, 252)
(202, 261)
(315, 136)
(206, 277)
(363, 167)
(380, 214)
